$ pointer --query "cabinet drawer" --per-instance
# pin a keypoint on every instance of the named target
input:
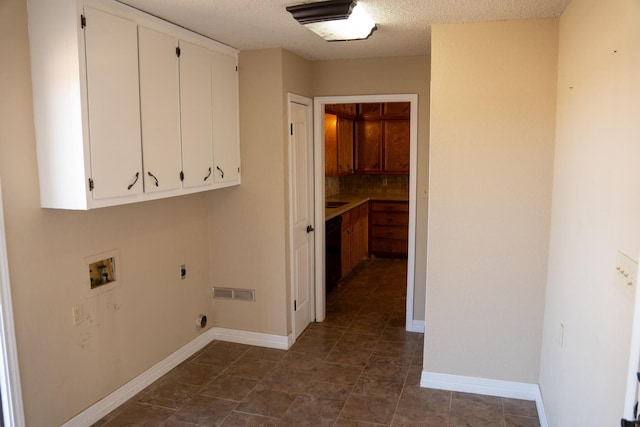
(390, 206)
(383, 218)
(384, 232)
(389, 246)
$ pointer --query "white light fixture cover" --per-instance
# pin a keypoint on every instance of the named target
(357, 26)
(334, 20)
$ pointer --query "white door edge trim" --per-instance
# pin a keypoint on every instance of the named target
(10, 387)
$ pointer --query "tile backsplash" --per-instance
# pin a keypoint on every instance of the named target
(385, 184)
(331, 185)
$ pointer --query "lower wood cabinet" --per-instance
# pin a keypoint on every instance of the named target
(389, 229)
(355, 242)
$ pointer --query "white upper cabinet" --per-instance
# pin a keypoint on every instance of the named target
(111, 46)
(121, 114)
(195, 102)
(160, 110)
(226, 149)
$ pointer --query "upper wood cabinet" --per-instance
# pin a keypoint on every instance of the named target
(122, 114)
(330, 145)
(341, 110)
(396, 110)
(338, 133)
(369, 146)
(370, 110)
(345, 146)
(382, 142)
(396, 146)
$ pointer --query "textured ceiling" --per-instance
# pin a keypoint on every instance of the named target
(404, 26)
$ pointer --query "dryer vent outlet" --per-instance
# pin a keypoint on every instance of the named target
(201, 321)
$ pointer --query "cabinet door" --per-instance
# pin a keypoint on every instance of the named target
(397, 110)
(330, 145)
(368, 146)
(345, 244)
(396, 146)
(111, 50)
(370, 110)
(345, 146)
(160, 110)
(226, 138)
(196, 115)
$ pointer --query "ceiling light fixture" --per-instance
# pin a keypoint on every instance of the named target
(335, 20)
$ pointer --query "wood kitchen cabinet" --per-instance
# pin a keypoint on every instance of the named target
(355, 230)
(368, 146)
(389, 229)
(382, 142)
(396, 146)
(338, 145)
(342, 110)
(121, 114)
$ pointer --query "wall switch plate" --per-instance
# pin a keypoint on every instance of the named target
(183, 271)
(626, 272)
(424, 192)
(78, 314)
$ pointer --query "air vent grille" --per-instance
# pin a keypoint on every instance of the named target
(236, 294)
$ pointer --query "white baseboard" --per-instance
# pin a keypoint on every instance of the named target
(488, 387)
(416, 326)
(254, 338)
(98, 410)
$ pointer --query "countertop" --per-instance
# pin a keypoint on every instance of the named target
(356, 199)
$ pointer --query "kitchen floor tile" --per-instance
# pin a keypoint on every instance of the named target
(359, 368)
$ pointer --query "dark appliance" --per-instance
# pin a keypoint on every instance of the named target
(333, 246)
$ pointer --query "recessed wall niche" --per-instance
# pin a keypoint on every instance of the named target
(100, 272)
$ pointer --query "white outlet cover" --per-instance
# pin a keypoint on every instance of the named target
(626, 271)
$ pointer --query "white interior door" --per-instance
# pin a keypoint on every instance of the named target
(301, 213)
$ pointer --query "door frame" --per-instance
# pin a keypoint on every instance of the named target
(308, 102)
(10, 388)
(318, 110)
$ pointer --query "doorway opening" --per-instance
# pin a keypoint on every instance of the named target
(319, 150)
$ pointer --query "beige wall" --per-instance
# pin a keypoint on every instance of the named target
(595, 213)
(65, 369)
(398, 75)
(249, 224)
(493, 99)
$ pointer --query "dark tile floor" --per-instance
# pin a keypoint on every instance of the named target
(357, 368)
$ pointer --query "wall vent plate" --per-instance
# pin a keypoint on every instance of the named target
(234, 294)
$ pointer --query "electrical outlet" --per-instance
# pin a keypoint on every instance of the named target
(183, 271)
(78, 314)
